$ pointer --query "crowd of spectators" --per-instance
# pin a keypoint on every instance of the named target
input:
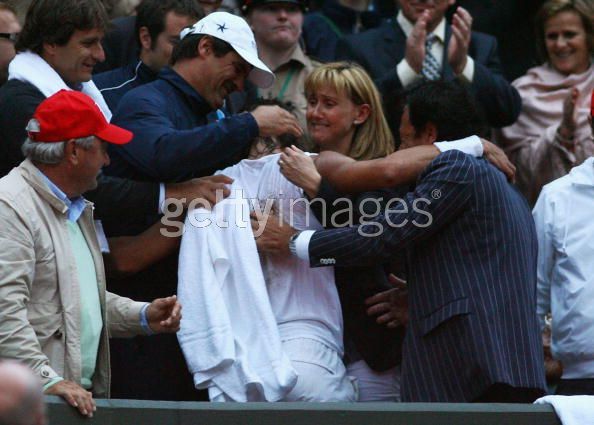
(411, 269)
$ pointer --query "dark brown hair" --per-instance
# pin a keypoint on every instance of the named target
(54, 21)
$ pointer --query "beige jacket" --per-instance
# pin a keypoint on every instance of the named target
(39, 288)
(290, 81)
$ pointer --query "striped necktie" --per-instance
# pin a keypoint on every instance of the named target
(431, 69)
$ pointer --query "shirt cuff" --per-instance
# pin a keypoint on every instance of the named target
(52, 383)
(406, 74)
(161, 198)
(144, 320)
(302, 244)
(468, 71)
(470, 145)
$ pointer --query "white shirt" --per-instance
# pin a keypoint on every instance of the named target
(304, 300)
(408, 75)
(564, 216)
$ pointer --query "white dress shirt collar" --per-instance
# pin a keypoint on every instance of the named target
(407, 27)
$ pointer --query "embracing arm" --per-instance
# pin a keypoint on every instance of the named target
(407, 220)
(166, 153)
(401, 167)
(131, 254)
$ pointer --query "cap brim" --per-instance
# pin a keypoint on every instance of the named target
(114, 134)
(260, 75)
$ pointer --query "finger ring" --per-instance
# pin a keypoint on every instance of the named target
(280, 163)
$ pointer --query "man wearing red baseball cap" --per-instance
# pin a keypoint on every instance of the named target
(55, 314)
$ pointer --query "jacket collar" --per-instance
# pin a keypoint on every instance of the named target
(35, 179)
(193, 98)
(143, 73)
(583, 174)
(76, 206)
(299, 57)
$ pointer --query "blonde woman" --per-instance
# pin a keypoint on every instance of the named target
(344, 114)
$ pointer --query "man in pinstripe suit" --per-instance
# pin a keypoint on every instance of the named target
(470, 248)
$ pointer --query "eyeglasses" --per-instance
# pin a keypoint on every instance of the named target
(11, 36)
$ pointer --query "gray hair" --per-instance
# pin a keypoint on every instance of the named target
(51, 153)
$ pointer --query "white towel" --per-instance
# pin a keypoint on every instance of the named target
(32, 68)
(572, 410)
(228, 332)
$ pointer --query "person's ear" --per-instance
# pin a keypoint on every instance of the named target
(72, 152)
(430, 133)
(145, 38)
(205, 46)
(362, 113)
(49, 49)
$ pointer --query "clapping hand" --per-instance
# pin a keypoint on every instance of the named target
(415, 43)
(460, 40)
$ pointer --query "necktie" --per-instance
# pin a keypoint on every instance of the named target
(431, 68)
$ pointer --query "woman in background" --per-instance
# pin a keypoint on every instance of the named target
(552, 134)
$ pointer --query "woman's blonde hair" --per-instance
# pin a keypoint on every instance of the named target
(584, 9)
(373, 138)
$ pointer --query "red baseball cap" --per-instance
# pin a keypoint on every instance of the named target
(70, 114)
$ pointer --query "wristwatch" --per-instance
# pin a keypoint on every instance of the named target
(293, 243)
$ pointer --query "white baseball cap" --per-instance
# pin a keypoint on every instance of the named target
(235, 31)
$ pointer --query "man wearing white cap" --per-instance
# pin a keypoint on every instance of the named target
(172, 137)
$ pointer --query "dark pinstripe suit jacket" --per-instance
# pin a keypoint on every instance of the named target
(471, 249)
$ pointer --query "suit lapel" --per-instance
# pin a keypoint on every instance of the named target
(395, 38)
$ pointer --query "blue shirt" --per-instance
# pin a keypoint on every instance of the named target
(76, 206)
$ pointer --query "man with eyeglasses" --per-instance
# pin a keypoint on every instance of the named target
(9, 30)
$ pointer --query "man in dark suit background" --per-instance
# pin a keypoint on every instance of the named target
(420, 45)
(470, 248)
